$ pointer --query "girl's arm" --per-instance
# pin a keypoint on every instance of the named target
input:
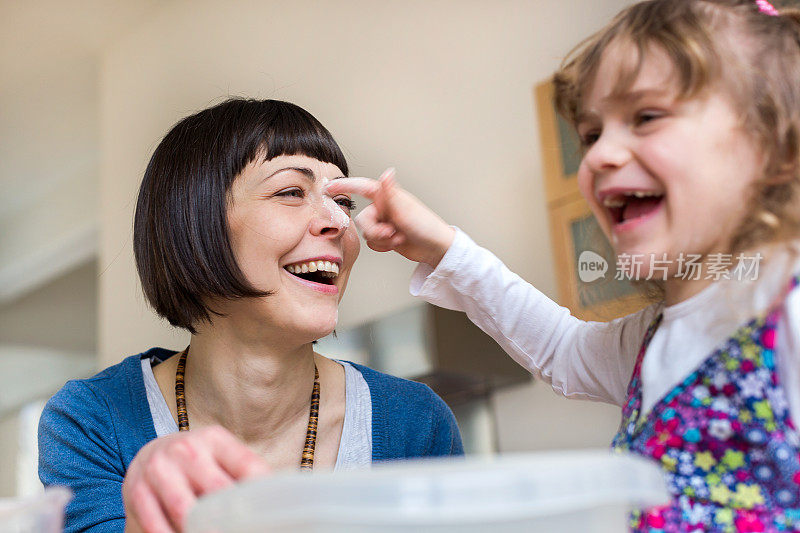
(586, 360)
(589, 360)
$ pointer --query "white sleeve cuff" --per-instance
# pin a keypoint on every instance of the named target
(425, 278)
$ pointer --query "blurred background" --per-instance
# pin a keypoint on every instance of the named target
(440, 89)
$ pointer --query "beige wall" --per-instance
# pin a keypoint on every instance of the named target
(439, 89)
(61, 315)
(48, 217)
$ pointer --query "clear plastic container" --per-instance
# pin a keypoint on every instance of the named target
(37, 514)
(587, 491)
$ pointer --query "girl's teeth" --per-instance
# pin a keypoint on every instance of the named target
(619, 200)
(312, 267)
(304, 269)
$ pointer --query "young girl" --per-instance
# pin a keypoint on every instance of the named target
(689, 113)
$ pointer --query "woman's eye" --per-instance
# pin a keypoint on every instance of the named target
(346, 203)
(294, 192)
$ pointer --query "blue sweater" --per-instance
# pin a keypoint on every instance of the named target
(92, 428)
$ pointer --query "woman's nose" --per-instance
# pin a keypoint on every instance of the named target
(609, 152)
(329, 219)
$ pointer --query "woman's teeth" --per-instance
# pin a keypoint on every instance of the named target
(314, 266)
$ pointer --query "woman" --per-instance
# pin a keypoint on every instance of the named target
(236, 241)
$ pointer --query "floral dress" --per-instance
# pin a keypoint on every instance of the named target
(724, 437)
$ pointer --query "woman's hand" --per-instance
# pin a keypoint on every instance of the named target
(396, 220)
(168, 475)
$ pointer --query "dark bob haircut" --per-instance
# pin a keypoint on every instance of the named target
(181, 238)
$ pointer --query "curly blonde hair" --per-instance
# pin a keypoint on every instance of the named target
(728, 44)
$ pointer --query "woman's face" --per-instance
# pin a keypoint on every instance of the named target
(291, 238)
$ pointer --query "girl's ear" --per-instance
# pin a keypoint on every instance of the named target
(782, 178)
(784, 167)
(785, 175)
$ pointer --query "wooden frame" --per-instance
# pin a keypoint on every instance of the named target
(572, 226)
(574, 229)
(559, 148)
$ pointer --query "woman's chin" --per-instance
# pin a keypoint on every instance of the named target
(318, 328)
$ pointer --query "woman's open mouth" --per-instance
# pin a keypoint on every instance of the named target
(625, 209)
(319, 275)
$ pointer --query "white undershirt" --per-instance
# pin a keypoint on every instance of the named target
(355, 445)
(594, 360)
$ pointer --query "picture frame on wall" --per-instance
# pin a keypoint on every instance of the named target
(586, 266)
(584, 260)
(561, 154)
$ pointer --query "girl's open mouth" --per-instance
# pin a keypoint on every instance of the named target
(627, 208)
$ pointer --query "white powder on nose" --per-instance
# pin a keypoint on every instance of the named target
(339, 218)
(325, 206)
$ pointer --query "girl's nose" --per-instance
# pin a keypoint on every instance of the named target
(609, 152)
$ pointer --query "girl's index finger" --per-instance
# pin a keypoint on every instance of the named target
(365, 187)
(381, 198)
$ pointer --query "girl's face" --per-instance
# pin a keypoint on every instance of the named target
(662, 175)
(291, 238)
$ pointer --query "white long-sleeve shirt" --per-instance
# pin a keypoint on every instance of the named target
(594, 360)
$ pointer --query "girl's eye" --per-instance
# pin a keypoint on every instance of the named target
(346, 203)
(589, 138)
(643, 117)
(294, 192)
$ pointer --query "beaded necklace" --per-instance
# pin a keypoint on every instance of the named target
(307, 457)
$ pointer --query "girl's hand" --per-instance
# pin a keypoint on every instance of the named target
(396, 220)
(168, 475)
